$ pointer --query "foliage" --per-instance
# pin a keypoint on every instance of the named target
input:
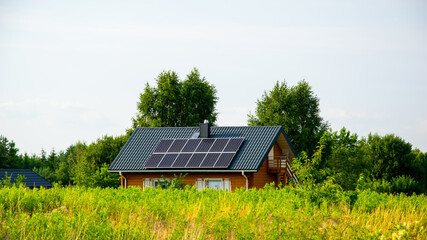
(102, 178)
(175, 183)
(8, 153)
(175, 103)
(342, 159)
(6, 182)
(388, 154)
(287, 213)
(295, 108)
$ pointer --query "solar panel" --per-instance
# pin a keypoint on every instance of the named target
(194, 153)
(233, 145)
(219, 145)
(182, 160)
(210, 160)
(196, 160)
(154, 160)
(191, 145)
(177, 145)
(163, 145)
(167, 160)
(224, 160)
(205, 145)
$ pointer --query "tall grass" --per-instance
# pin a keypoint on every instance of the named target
(288, 213)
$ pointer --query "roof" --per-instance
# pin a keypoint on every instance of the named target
(258, 140)
(32, 178)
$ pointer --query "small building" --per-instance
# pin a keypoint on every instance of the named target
(212, 157)
(31, 180)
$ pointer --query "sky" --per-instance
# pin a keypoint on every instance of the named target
(73, 70)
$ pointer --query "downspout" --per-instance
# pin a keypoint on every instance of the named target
(243, 173)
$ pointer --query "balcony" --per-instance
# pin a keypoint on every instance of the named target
(278, 164)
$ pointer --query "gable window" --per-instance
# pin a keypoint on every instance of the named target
(271, 154)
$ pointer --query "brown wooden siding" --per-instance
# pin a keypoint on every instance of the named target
(137, 179)
(263, 176)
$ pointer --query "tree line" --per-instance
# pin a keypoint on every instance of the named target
(381, 163)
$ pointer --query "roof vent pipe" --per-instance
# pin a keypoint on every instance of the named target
(205, 129)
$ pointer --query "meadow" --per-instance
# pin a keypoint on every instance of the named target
(269, 213)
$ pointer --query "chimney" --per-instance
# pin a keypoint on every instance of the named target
(205, 129)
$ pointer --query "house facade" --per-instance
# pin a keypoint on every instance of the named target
(212, 157)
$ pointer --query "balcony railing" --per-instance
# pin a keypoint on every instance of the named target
(281, 164)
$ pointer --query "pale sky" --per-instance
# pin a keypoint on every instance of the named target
(73, 70)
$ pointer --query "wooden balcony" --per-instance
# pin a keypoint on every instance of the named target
(282, 166)
(278, 164)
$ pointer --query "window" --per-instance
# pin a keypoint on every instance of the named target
(159, 183)
(271, 154)
(214, 184)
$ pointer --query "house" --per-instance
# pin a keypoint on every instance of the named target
(31, 180)
(213, 157)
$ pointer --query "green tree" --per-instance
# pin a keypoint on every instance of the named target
(102, 178)
(388, 155)
(199, 100)
(82, 172)
(296, 108)
(8, 154)
(105, 149)
(174, 103)
(345, 157)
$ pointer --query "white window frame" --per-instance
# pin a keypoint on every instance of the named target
(206, 180)
(202, 183)
(146, 183)
(158, 180)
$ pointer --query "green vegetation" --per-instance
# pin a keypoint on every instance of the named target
(270, 213)
(385, 164)
(80, 164)
(295, 108)
(176, 104)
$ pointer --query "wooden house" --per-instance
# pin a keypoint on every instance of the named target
(213, 157)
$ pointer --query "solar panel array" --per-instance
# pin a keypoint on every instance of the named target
(194, 153)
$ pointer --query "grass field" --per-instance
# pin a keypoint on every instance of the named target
(288, 213)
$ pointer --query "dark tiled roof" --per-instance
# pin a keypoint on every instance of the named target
(258, 140)
(32, 178)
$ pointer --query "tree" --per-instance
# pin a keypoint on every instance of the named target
(345, 157)
(296, 109)
(200, 99)
(175, 103)
(8, 154)
(105, 149)
(82, 172)
(388, 156)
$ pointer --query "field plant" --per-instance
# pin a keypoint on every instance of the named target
(269, 213)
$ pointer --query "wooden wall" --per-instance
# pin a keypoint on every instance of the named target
(263, 176)
(137, 179)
